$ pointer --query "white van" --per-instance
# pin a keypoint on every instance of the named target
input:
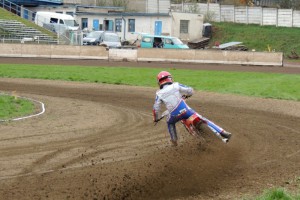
(55, 21)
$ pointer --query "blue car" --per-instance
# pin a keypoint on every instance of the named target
(160, 41)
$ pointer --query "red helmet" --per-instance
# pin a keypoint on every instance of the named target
(164, 77)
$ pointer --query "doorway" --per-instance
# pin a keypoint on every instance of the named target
(158, 28)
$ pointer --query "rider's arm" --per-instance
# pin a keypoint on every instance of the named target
(156, 108)
(186, 90)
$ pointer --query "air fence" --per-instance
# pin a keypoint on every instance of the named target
(243, 14)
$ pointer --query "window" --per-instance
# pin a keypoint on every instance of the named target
(168, 41)
(131, 25)
(70, 13)
(61, 21)
(147, 39)
(53, 20)
(118, 27)
(84, 23)
(184, 26)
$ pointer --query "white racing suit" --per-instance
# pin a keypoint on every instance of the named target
(171, 96)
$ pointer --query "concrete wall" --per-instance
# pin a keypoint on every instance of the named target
(142, 55)
(158, 6)
(211, 56)
(53, 51)
(244, 14)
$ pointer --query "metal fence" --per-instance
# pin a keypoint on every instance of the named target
(243, 14)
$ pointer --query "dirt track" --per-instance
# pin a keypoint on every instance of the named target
(98, 142)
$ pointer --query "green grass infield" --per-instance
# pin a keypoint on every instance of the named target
(266, 85)
(13, 106)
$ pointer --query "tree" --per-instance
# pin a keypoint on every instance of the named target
(101, 3)
(117, 3)
(289, 4)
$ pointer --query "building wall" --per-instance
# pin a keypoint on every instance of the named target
(195, 25)
(145, 24)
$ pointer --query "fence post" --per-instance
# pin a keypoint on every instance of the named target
(247, 15)
(292, 17)
(234, 13)
(277, 13)
(220, 12)
(262, 16)
(207, 9)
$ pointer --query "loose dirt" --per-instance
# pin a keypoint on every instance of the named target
(98, 141)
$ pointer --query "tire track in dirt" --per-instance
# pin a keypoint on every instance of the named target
(95, 145)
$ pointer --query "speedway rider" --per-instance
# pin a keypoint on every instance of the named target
(171, 94)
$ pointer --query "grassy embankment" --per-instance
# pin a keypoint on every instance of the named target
(4, 14)
(260, 38)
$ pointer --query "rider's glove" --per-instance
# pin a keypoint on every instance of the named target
(154, 116)
(186, 96)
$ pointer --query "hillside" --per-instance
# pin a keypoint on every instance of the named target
(258, 38)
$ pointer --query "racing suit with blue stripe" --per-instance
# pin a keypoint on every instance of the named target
(171, 96)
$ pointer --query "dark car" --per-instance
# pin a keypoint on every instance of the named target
(93, 38)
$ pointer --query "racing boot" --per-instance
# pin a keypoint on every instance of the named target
(174, 143)
(226, 135)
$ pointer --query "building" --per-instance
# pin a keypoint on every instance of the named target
(152, 17)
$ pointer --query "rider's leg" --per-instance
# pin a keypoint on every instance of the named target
(211, 125)
(215, 128)
(173, 133)
(182, 111)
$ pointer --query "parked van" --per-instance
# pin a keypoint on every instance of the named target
(160, 41)
(57, 22)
